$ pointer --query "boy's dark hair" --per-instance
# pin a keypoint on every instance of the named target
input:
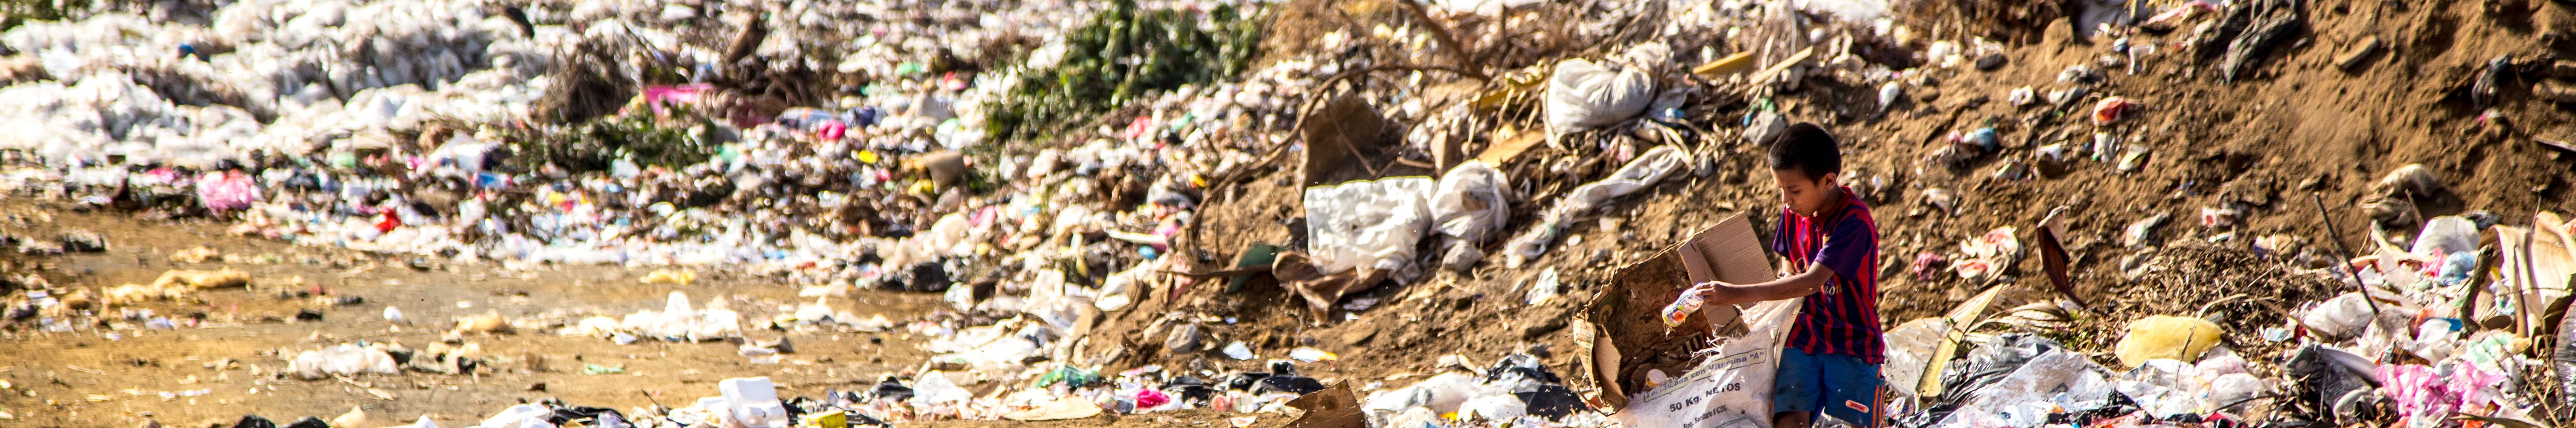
(1807, 148)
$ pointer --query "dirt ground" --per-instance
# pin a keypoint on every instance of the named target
(83, 379)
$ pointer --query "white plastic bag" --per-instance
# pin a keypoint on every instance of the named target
(1367, 223)
(2056, 379)
(1909, 347)
(1583, 94)
(1647, 169)
(2230, 392)
(1470, 204)
(343, 359)
(934, 388)
(1501, 407)
(1442, 393)
(1732, 389)
(519, 416)
(2446, 235)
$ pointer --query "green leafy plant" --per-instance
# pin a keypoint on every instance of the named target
(596, 145)
(1124, 54)
(15, 12)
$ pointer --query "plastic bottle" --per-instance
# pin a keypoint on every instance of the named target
(1681, 309)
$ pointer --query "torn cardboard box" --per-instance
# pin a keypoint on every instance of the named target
(1620, 336)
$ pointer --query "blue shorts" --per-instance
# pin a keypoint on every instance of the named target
(1838, 385)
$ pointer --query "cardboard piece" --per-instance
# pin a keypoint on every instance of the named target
(1620, 333)
(1347, 140)
(2537, 263)
(1333, 407)
(1731, 242)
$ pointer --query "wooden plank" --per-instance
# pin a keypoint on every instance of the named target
(1794, 59)
(1511, 147)
(1731, 64)
(2555, 144)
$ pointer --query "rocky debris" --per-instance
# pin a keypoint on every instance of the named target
(82, 241)
(2356, 57)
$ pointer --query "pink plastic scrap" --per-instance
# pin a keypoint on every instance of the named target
(1141, 127)
(1146, 399)
(831, 131)
(226, 191)
(2424, 392)
(1927, 266)
(164, 175)
(692, 94)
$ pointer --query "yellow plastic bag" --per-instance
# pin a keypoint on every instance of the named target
(2166, 336)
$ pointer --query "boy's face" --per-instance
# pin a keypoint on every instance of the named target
(1804, 194)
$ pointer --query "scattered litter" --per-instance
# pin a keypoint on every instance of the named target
(669, 276)
(1544, 287)
(194, 255)
(341, 360)
(1238, 351)
(2166, 337)
(1585, 94)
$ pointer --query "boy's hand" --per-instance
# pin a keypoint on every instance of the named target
(1717, 292)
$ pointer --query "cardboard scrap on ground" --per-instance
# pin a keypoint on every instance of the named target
(2536, 263)
(1621, 329)
(1333, 407)
(1345, 140)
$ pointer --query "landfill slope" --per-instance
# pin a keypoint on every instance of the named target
(2299, 126)
(561, 205)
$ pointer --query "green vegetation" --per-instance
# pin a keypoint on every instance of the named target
(593, 146)
(14, 12)
(1121, 55)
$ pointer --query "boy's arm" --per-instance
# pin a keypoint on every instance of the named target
(1801, 284)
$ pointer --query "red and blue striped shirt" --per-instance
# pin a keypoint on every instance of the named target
(1842, 317)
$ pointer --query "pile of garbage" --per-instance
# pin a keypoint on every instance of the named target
(1042, 164)
(424, 141)
(1516, 390)
(2433, 328)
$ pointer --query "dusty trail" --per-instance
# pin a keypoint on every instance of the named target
(231, 360)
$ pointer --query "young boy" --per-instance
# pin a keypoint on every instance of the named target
(1830, 362)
